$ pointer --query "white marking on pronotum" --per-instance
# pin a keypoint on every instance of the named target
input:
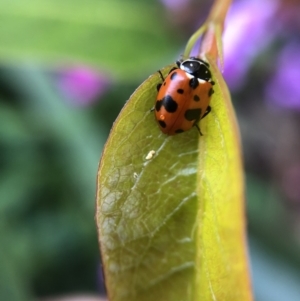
(190, 76)
(150, 155)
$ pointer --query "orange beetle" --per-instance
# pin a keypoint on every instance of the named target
(183, 97)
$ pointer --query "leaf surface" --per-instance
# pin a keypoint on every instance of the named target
(171, 224)
(222, 265)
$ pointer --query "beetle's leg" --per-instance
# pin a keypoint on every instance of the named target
(197, 126)
(208, 110)
(172, 69)
(161, 76)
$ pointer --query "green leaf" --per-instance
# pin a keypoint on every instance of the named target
(170, 208)
(13, 273)
(116, 35)
(222, 265)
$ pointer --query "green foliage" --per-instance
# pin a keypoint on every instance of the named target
(122, 37)
(49, 155)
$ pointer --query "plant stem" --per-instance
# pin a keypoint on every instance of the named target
(211, 30)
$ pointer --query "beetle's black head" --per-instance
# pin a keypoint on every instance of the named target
(197, 68)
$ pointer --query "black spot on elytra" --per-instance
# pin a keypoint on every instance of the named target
(169, 103)
(179, 131)
(196, 98)
(192, 114)
(162, 123)
(158, 105)
(180, 91)
(210, 92)
(174, 75)
(158, 87)
(194, 83)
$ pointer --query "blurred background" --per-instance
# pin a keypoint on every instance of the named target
(66, 69)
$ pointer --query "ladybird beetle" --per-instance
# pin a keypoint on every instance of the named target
(183, 96)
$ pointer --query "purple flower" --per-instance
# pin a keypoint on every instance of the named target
(249, 28)
(284, 89)
(288, 14)
(82, 85)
